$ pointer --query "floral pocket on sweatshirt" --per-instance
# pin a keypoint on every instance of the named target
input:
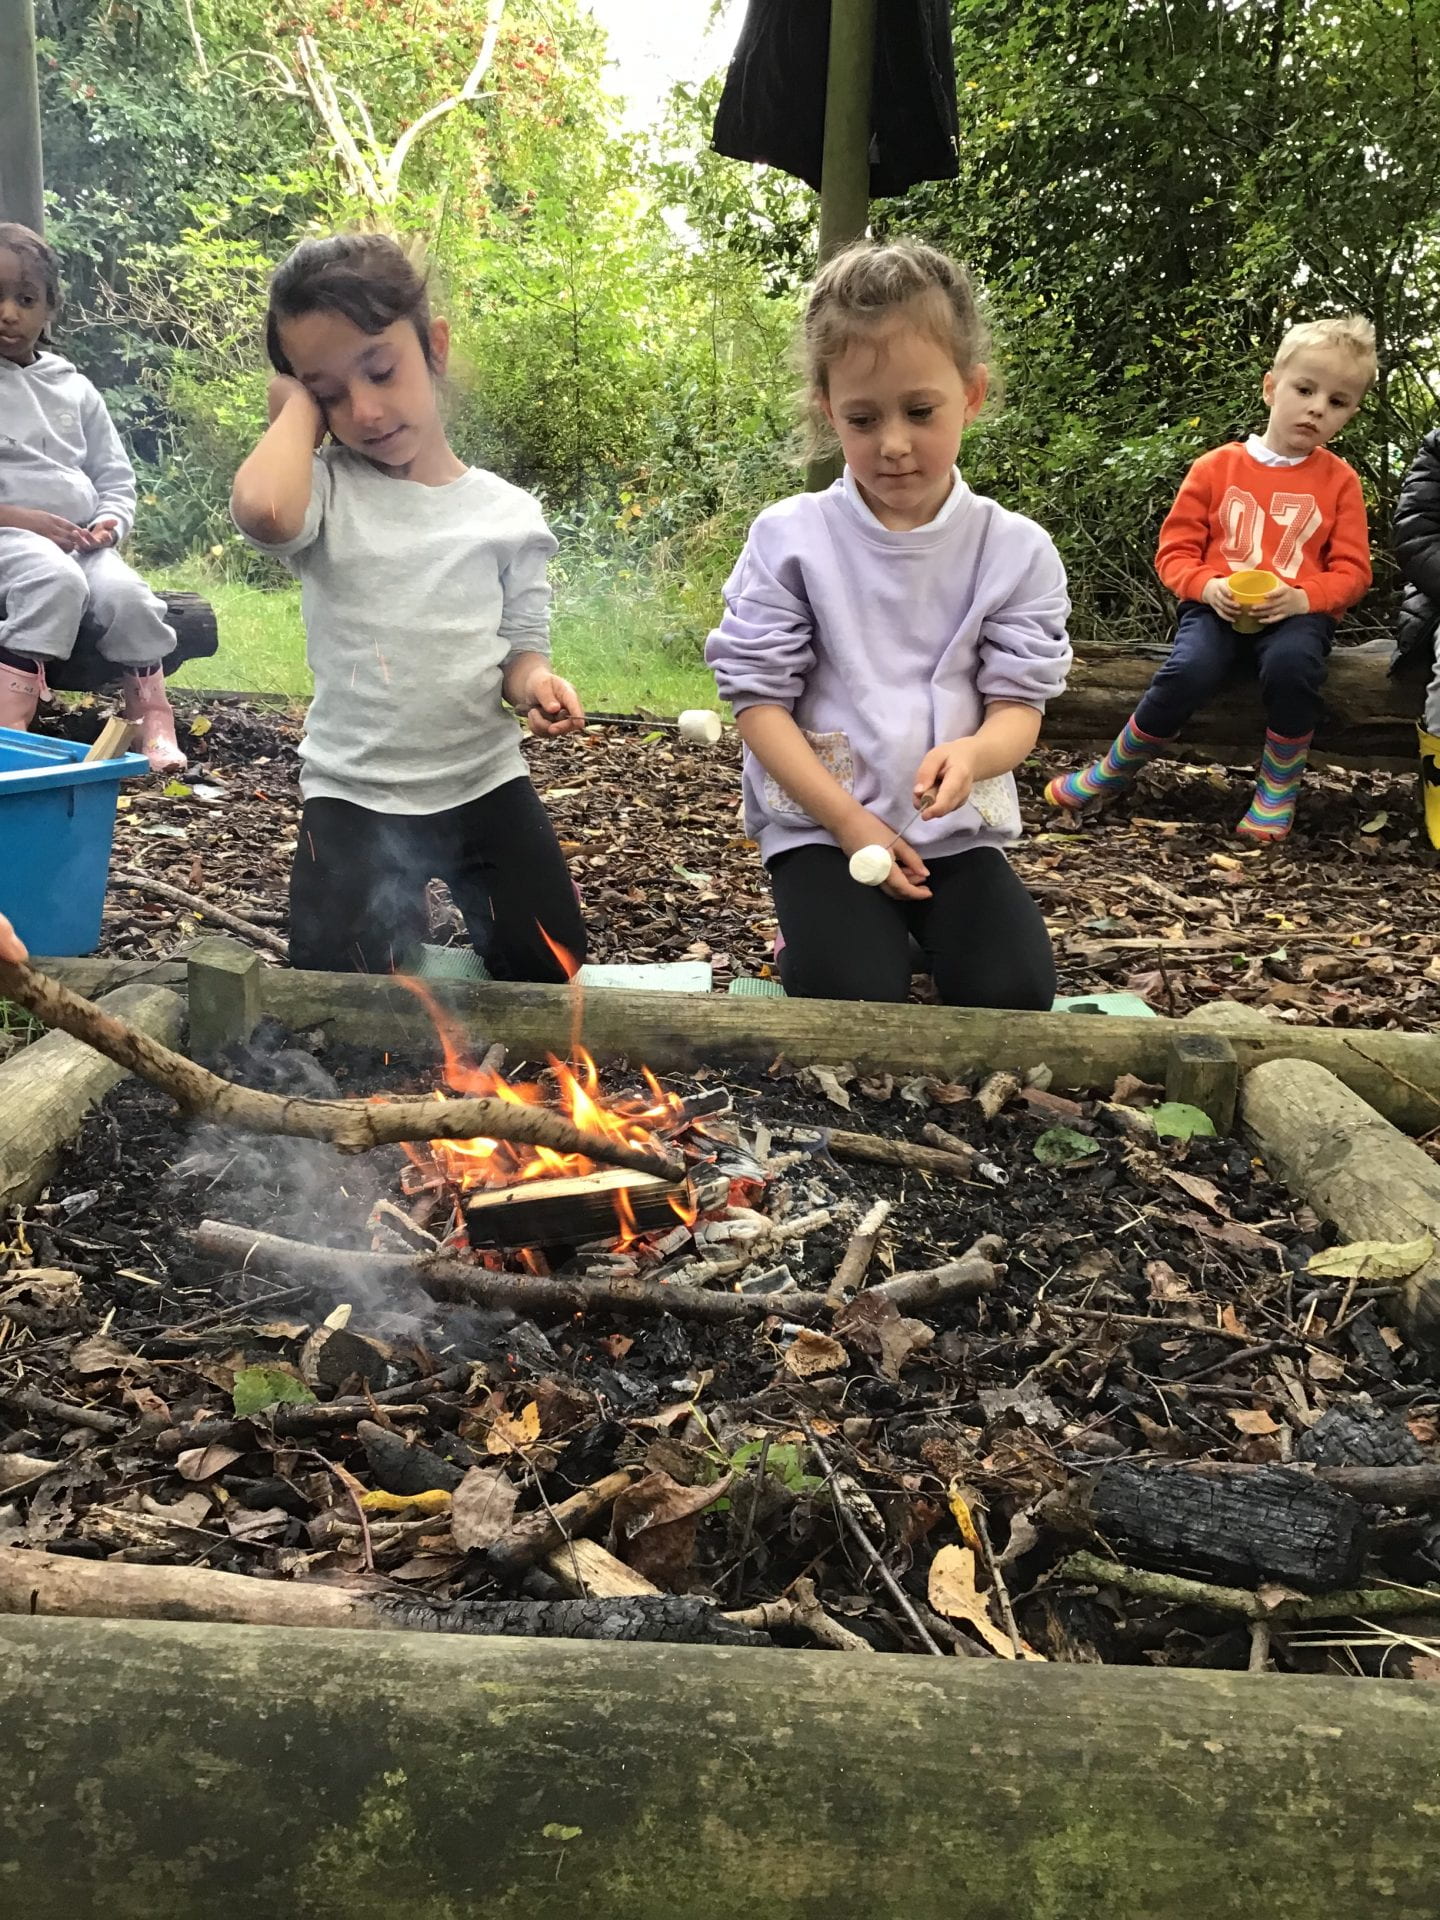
(996, 803)
(833, 752)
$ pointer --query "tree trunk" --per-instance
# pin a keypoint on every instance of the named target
(1353, 1167)
(47, 1088)
(1368, 720)
(194, 1772)
(1265, 1524)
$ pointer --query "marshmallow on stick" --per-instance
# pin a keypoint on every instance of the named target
(871, 865)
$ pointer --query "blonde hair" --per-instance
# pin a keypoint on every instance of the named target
(861, 288)
(1352, 334)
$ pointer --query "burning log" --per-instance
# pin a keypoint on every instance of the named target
(352, 1125)
(447, 1278)
(569, 1210)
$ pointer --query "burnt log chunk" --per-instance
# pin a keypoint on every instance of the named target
(1241, 1526)
(1360, 1435)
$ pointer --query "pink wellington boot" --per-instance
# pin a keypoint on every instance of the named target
(148, 705)
(19, 696)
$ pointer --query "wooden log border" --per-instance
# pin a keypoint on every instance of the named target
(1398, 1073)
(198, 1772)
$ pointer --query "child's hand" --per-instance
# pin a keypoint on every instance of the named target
(104, 533)
(553, 705)
(948, 770)
(12, 947)
(1282, 603)
(50, 526)
(909, 873)
(285, 390)
(1216, 593)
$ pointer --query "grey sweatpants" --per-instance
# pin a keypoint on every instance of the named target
(45, 592)
(1432, 696)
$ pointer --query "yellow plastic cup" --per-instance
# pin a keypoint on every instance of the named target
(1250, 588)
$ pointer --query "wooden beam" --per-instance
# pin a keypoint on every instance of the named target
(22, 191)
(188, 1771)
(1398, 1073)
(1369, 719)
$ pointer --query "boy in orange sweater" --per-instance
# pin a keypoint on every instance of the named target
(1280, 502)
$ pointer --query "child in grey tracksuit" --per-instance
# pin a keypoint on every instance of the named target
(67, 501)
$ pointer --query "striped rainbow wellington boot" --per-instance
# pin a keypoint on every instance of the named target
(1089, 789)
(1271, 813)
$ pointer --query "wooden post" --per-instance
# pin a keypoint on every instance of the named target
(223, 981)
(845, 159)
(22, 191)
(1202, 1070)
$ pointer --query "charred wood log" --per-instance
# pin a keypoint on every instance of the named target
(1268, 1523)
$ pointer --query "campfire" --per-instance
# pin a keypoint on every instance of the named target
(509, 1200)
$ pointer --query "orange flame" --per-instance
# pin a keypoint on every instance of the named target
(470, 1165)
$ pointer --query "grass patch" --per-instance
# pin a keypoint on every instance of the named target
(617, 638)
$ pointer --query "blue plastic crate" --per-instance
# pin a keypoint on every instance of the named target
(57, 820)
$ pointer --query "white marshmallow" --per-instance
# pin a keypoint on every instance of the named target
(700, 726)
(871, 866)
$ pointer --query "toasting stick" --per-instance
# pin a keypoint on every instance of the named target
(871, 865)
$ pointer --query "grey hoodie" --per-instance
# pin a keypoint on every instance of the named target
(59, 451)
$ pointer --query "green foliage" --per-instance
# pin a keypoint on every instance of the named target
(1061, 1146)
(1153, 190)
(1178, 1120)
(257, 1388)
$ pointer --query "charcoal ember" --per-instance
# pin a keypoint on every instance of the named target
(1360, 1434)
(398, 1468)
(1239, 1525)
(1369, 1347)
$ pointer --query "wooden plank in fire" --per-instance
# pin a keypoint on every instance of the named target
(567, 1212)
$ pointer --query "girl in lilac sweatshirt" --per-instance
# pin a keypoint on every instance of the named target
(888, 647)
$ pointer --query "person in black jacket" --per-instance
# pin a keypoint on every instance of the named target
(1417, 548)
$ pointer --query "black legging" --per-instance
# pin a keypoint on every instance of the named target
(982, 935)
(357, 886)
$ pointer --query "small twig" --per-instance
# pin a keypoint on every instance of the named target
(353, 1487)
(859, 1252)
(1091, 1570)
(1260, 1352)
(755, 1493)
(997, 1580)
(177, 896)
(869, 1549)
(30, 1400)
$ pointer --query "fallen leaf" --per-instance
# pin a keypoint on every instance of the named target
(1177, 1120)
(101, 1354)
(951, 1590)
(964, 1520)
(1252, 1420)
(482, 1508)
(433, 1500)
(811, 1352)
(826, 1080)
(1059, 1146)
(1373, 1259)
(1324, 1366)
(257, 1388)
(1375, 823)
(654, 1524)
(203, 1463)
(199, 727)
(1230, 1322)
(1165, 1283)
(509, 1434)
(874, 1323)
(1205, 1191)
